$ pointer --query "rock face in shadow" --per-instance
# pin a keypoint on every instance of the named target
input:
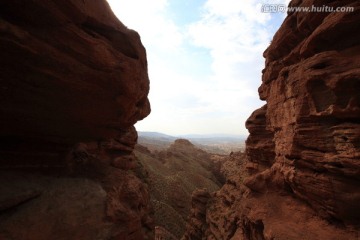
(73, 82)
(304, 146)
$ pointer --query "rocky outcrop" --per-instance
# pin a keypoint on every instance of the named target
(73, 83)
(303, 150)
(311, 87)
(197, 217)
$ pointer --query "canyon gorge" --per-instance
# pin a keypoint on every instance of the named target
(74, 81)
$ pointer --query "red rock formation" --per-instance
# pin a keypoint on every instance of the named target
(311, 86)
(304, 146)
(73, 83)
(260, 146)
(195, 226)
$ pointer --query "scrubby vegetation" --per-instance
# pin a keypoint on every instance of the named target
(172, 175)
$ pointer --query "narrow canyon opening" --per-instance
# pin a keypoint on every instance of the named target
(236, 146)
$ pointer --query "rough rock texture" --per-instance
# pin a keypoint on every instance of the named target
(303, 152)
(195, 226)
(73, 82)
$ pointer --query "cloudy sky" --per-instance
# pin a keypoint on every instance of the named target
(204, 59)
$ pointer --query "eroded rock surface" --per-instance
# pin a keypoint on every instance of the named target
(73, 82)
(197, 217)
(303, 151)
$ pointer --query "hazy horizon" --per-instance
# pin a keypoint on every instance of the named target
(204, 60)
(194, 135)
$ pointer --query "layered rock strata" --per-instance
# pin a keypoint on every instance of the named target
(197, 217)
(303, 151)
(73, 82)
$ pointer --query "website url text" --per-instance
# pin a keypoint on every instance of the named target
(282, 8)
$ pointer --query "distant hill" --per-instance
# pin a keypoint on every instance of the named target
(155, 141)
(156, 135)
(192, 136)
(213, 136)
(212, 143)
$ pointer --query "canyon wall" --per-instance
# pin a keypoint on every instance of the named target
(73, 82)
(303, 151)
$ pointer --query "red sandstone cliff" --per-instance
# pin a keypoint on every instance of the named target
(303, 152)
(73, 82)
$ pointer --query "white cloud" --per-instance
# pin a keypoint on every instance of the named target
(236, 35)
(189, 92)
(149, 18)
(248, 9)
